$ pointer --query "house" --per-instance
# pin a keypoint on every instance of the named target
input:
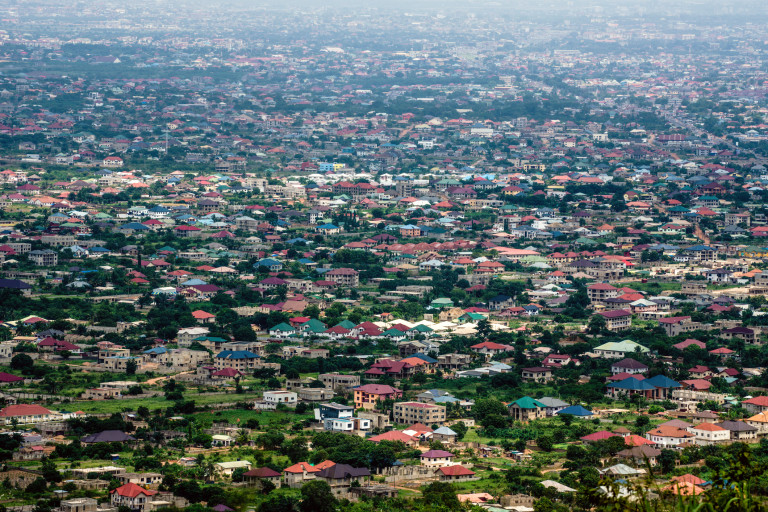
(295, 476)
(227, 468)
(27, 414)
(698, 254)
(343, 277)
(242, 360)
(759, 421)
(277, 397)
(640, 455)
(108, 436)
(339, 381)
(629, 366)
(552, 405)
(709, 433)
(260, 475)
(599, 292)
(743, 333)
(527, 409)
(617, 320)
(490, 349)
(418, 412)
(739, 430)
(112, 161)
(44, 257)
(575, 410)
(341, 477)
(669, 436)
(537, 374)
(620, 349)
(500, 302)
(340, 418)
(134, 497)
(754, 405)
(444, 434)
(456, 473)
(437, 458)
(631, 386)
(677, 325)
(366, 396)
(146, 480)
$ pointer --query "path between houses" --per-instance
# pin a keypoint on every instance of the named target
(152, 382)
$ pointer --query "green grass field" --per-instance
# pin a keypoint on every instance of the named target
(131, 404)
(652, 287)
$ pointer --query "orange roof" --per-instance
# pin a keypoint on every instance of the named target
(709, 427)
(663, 431)
(301, 467)
(130, 490)
(202, 315)
(325, 464)
(635, 440)
(759, 418)
(456, 470)
(413, 361)
(688, 478)
(683, 489)
(24, 410)
(392, 435)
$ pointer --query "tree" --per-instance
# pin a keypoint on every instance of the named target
(237, 475)
(461, 430)
(39, 485)
(441, 495)
(131, 366)
(296, 449)
(49, 471)
(22, 362)
(317, 497)
(483, 328)
(485, 407)
(311, 311)
(642, 423)
(271, 440)
(279, 503)
(545, 443)
(667, 460)
(597, 324)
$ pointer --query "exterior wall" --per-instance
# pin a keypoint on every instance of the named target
(418, 413)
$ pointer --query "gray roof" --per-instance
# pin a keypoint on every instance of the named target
(736, 426)
(553, 402)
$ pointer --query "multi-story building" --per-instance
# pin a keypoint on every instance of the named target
(44, 258)
(185, 336)
(279, 396)
(236, 359)
(709, 433)
(677, 325)
(527, 409)
(598, 292)
(343, 277)
(366, 396)
(617, 320)
(453, 361)
(337, 380)
(418, 412)
(537, 374)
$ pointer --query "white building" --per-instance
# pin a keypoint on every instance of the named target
(708, 433)
(288, 398)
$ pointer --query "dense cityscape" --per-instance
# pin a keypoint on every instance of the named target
(404, 256)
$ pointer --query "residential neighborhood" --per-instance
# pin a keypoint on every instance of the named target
(298, 258)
